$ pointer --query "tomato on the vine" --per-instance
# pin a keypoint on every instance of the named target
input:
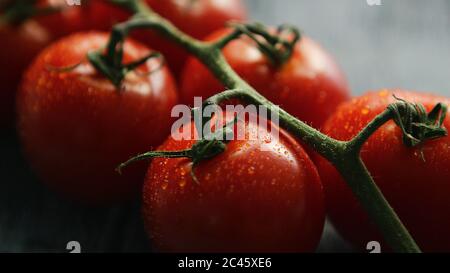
(197, 18)
(309, 85)
(24, 39)
(414, 180)
(76, 126)
(262, 194)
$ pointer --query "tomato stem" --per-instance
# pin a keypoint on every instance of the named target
(344, 155)
(275, 47)
(153, 154)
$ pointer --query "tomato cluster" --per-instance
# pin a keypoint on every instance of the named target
(260, 194)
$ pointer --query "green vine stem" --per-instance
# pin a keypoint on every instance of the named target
(345, 156)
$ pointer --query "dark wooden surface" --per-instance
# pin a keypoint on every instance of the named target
(403, 43)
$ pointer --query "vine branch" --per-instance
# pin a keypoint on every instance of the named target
(345, 156)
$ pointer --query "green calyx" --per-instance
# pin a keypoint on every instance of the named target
(416, 124)
(112, 67)
(277, 46)
(208, 147)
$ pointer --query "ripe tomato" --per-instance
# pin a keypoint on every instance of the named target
(196, 18)
(23, 41)
(415, 185)
(309, 86)
(102, 15)
(76, 127)
(247, 199)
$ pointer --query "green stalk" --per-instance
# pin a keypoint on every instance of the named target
(345, 156)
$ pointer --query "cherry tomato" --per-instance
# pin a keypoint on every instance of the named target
(23, 41)
(309, 86)
(260, 195)
(414, 180)
(76, 126)
(197, 18)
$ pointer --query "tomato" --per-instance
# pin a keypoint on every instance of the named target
(414, 180)
(102, 15)
(197, 18)
(76, 126)
(260, 195)
(23, 41)
(309, 85)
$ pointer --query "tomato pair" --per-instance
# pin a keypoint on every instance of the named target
(22, 41)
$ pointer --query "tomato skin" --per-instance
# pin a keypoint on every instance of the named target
(247, 200)
(309, 86)
(76, 127)
(416, 189)
(196, 18)
(102, 15)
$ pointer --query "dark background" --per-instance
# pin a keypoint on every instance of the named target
(400, 44)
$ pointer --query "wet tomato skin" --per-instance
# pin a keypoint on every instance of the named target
(247, 199)
(309, 86)
(415, 186)
(76, 127)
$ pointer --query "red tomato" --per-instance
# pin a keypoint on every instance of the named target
(22, 42)
(196, 18)
(76, 127)
(60, 23)
(309, 86)
(102, 15)
(248, 199)
(417, 187)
